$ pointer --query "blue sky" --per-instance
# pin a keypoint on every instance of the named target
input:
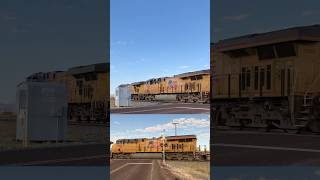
(232, 18)
(152, 38)
(49, 35)
(152, 125)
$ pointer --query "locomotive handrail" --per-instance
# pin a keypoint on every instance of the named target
(306, 93)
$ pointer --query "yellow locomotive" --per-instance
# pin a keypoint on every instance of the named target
(266, 80)
(88, 90)
(175, 147)
(186, 87)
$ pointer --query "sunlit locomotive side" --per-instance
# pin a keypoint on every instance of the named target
(175, 147)
(187, 87)
(88, 91)
(266, 80)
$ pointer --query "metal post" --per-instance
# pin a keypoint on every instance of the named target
(25, 138)
(175, 127)
(163, 153)
(57, 128)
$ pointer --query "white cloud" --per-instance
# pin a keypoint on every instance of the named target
(236, 17)
(184, 67)
(206, 66)
(113, 69)
(115, 138)
(182, 123)
(124, 43)
(140, 60)
(204, 135)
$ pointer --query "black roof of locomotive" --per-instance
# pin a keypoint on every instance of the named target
(302, 33)
(181, 137)
(154, 138)
(194, 73)
(187, 74)
(99, 68)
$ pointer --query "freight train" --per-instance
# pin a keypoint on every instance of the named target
(88, 91)
(268, 80)
(186, 87)
(182, 147)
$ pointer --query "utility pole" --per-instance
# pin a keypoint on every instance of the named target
(175, 127)
(163, 153)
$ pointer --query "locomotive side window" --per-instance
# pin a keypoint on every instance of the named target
(262, 77)
(238, 53)
(256, 77)
(268, 76)
(266, 52)
(248, 77)
(285, 50)
(243, 79)
(80, 91)
(199, 77)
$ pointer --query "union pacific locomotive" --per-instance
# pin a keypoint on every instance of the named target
(186, 87)
(176, 148)
(88, 91)
(268, 80)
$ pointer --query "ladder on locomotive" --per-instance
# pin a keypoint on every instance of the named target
(304, 112)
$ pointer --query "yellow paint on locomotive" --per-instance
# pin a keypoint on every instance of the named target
(89, 91)
(192, 84)
(173, 85)
(186, 144)
(292, 68)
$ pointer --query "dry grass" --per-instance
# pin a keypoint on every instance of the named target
(75, 135)
(190, 169)
(87, 134)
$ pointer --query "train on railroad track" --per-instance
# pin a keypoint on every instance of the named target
(183, 147)
(186, 87)
(88, 91)
(267, 80)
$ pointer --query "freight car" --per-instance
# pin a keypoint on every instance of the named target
(186, 87)
(176, 147)
(88, 91)
(268, 80)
